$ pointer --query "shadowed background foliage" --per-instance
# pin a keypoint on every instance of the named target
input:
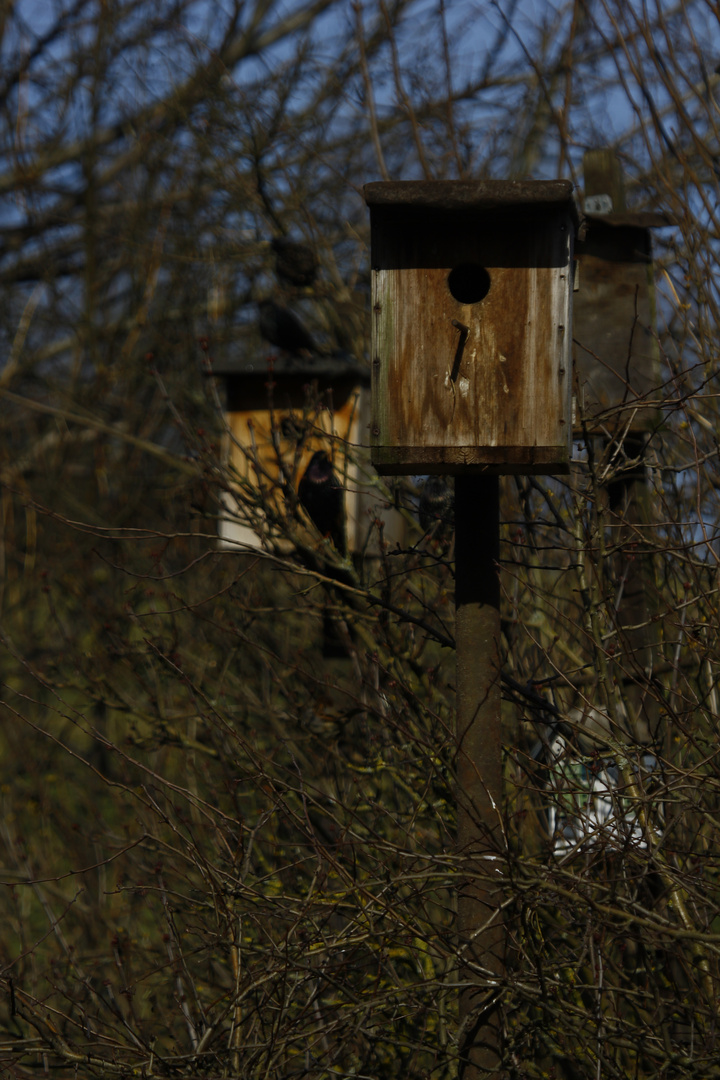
(223, 853)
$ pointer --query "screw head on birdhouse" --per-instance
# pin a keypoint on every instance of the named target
(471, 310)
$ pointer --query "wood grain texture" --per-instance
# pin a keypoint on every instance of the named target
(505, 406)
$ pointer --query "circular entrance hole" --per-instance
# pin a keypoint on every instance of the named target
(469, 283)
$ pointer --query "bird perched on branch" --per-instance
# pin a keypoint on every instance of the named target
(436, 509)
(321, 494)
(295, 264)
(282, 328)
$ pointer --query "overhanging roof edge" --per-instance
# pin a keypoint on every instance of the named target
(468, 195)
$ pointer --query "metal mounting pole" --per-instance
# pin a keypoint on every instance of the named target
(479, 773)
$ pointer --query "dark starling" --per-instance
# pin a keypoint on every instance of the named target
(282, 328)
(436, 509)
(295, 264)
(321, 495)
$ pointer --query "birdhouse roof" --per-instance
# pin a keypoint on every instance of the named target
(338, 366)
(471, 196)
(637, 219)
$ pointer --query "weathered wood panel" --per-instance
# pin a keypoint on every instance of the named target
(495, 397)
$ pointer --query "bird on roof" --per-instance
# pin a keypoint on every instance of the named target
(295, 264)
(321, 495)
(436, 509)
(281, 327)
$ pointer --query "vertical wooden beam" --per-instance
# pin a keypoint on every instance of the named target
(603, 176)
(630, 504)
(621, 319)
(479, 774)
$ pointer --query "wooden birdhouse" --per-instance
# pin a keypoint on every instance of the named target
(471, 331)
(275, 404)
(617, 361)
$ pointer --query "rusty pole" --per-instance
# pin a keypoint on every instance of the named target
(479, 773)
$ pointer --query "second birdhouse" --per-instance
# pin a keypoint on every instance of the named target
(617, 361)
(472, 288)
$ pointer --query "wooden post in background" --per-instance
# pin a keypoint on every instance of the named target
(617, 368)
